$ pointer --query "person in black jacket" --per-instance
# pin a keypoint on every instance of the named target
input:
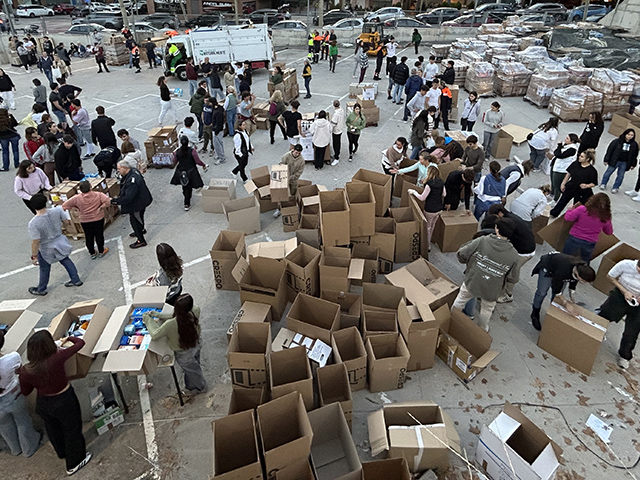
(186, 173)
(150, 47)
(622, 155)
(106, 160)
(458, 183)
(391, 66)
(592, 132)
(556, 271)
(6, 90)
(134, 198)
(449, 74)
(218, 132)
(400, 77)
(67, 160)
(101, 130)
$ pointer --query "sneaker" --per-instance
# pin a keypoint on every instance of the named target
(335, 162)
(138, 244)
(94, 256)
(104, 252)
(614, 190)
(72, 284)
(636, 198)
(623, 363)
(631, 193)
(277, 213)
(506, 298)
(35, 291)
(603, 186)
(133, 234)
(536, 170)
(187, 208)
(86, 460)
(219, 162)
(351, 158)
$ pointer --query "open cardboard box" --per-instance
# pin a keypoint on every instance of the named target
(379, 296)
(276, 250)
(308, 231)
(289, 371)
(454, 229)
(243, 399)
(419, 432)
(350, 307)
(218, 191)
(21, 322)
(235, 448)
(384, 239)
(362, 209)
(333, 386)
(334, 218)
(420, 331)
(259, 185)
(387, 359)
(388, 469)
(348, 348)
(262, 281)
(134, 362)
(225, 252)
(512, 447)
(279, 184)
(313, 317)
(407, 234)
(78, 365)
(308, 198)
(302, 271)
(622, 251)
(338, 269)
(248, 355)
(378, 322)
(317, 351)
(371, 257)
(381, 185)
(243, 214)
(250, 312)
(557, 232)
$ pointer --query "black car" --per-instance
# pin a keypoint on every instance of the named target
(272, 16)
(79, 12)
(497, 10)
(162, 20)
(332, 16)
(438, 15)
(206, 20)
(113, 21)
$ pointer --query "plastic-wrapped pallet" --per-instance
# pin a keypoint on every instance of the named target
(575, 102)
(578, 74)
(496, 49)
(525, 42)
(530, 57)
(498, 60)
(478, 46)
(471, 57)
(616, 88)
(490, 28)
(480, 78)
(502, 38)
(512, 21)
(512, 79)
(459, 67)
(440, 51)
(548, 77)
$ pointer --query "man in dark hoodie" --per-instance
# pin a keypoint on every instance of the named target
(102, 129)
(491, 262)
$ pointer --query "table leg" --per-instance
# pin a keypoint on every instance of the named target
(175, 380)
(114, 376)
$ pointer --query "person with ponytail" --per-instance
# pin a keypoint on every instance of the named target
(186, 173)
(491, 189)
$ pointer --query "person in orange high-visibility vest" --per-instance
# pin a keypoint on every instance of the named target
(135, 51)
(317, 43)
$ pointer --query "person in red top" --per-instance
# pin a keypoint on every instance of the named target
(91, 206)
(56, 402)
(32, 142)
(98, 51)
(589, 220)
(192, 76)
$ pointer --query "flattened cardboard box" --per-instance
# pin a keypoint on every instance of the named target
(225, 252)
(387, 359)
(348, 348)
(313, 317)
(557, 232)
(289, 371)
(573, 338)
(381, 185)
(219, 191)
(21, 322)
(622, 251)
(362, 209)
(235, 448)
(454, 229)
(420, 330)
(243, 214)
(333, 386)
(334, 218)
(262, 281)
(248, 355)
(303, 271)
(350, 307)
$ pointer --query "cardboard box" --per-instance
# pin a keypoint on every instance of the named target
(381, 185)
(424, 283)
(262, 281)
(362, 209)
(21, 322)
(303, 271)
(334, 218)
(243, 214)
(317, 351)
(574, 338)
(333, 451)
(422, 440)
(235, 448)
(419, 214)
(420, 330)
(539, 223)
(218, 191)
(454, 229)
(337, 269)
(620, 252)
(621, 121)
(502, 145)
(512, 447)
(309, 230)
(79, 364)
(348, 348)
(333, 386)
(313, 317)
(370, 255)
(259, 186)
(308, 198)
(455, 90)
(290, 217)
(290, 372)
(448, 167)
(225, 252)
(369, 103)
(405, 197)
(275, 250)
(248, 355)
(387, 359)
(378, 322)
(462, 345)
(384, 239)
(350, 307)
(557, 232)
(109, 420)
(407, 234)
(279, 185)
(388, 469)
(378, 296)
(134, 362)
(243, 399)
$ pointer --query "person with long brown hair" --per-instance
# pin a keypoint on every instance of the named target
(433, 198)
(56, 401)
(182, 331)
(29, 181)
(44, 156)
(8, 135)
(186, 160)
(578, 182)
(589, 220)
(170, 272)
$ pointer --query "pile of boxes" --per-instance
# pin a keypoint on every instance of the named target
(115, 50)
(261, 113)
(512, 79)
(367, 101)
(575, 102)
(480, 78)
(549, 76)
(290, 88)
(160, 144)
(616, 88)
(460, 67)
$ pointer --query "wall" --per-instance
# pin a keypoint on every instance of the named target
(626, 15)
(55, 38)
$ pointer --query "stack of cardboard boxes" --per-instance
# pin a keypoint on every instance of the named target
(290, 88)
(160, 144)
(261, 112)
(367, 101)
(115, 50)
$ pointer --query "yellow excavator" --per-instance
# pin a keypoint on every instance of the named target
(373, 34)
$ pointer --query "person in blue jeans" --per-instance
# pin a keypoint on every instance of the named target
(231, 109)
(49, 245)
(9, 136)
(621, 156)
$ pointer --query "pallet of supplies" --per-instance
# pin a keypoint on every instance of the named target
(480, 79)
(470, 57)
(490, 28)
(440, 51)
(512, 79)
(616, 88)
(532, 56)
(579, 74)
(160, 145)
(548, 77)
(575, 102)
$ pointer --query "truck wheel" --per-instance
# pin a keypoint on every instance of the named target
(181, 73)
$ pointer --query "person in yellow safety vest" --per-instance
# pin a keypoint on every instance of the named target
(325, 46)
(135, 51)
(310, 43)
(317, 41)
(175, 55)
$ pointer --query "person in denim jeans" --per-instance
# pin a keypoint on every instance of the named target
(400, 76)
(542, 141)
(231, 109)
(9, 135)
(622, 155)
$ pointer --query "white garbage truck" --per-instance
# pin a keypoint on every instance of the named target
(223, 45)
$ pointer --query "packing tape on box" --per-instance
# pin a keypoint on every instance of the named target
(580, 317)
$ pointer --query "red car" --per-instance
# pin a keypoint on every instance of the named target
(63, 8)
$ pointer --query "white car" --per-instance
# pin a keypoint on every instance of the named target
(346, 24)
(34, 11)
(87, 28)
(148, 28)
(112, 8)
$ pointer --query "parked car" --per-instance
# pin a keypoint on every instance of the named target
(548, 20)
(106, 19)
(596, 18)
(290, 25)
(471, 20)
(347, 24)
(207, 20)
(272, 16)
(147, 28)
(498, 10)
(86, 28)
(63, 8)
(97, 6)
(558, 11)
(162, 20)
(578, 12)
(112, 8)
(139, 7)
(80, 12)
(385, 14)
(332, 16)
(34, 11)
(404, 22)
(439, 15)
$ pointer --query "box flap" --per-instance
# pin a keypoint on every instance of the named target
(515, 413)
(15, 305)
(240, 269)
(124, 361)
(150, 296)
(503, 426)
(471, 336)
(113, 330)
(485, 359)
(452, 434)
(377, 433)
(20, 331)
(356, 269)
(546, 463)
(89, 303)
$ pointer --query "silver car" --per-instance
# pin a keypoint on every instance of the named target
(385, 13)
(346, 24)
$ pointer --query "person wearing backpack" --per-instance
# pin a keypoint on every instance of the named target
(276, 108)
(186, 160)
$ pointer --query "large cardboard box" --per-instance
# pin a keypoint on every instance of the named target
(333, 451)
(313, 317)
(621, 121)
(447, 167)
(259, 186)
(622, 251)
(381, 185)
(371, 257)
(378, 322)
(362, 209)
(134, 362)
(308, 198)
(572, 334)
(333, 386)
(285, 433)
(420, 331)
(337, 269)
(512, 447)
(79, 364)
(502, 145)
(350, 307)
(388, 469)
(303, 271)
(235, 448)
(539, 223)
(279, 185)
(334, 218)
(419, 214)
(218, 191)
(420, 432)
(463, 345)
(407, 234)
(387, 359)
(21, 322)
(309, 230)
(275, 250)
(384, 239)
(225, 252)
(424, 283)
(248, 355)
(289, 371)
(317, 351)
(348, 348)
(378, 296)
(262, 281)
(557, 232)
(243, 214)
(290, 216)
(299, 470)
(454, 229)
(243, 399)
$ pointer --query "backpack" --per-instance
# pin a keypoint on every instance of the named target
(273, 108)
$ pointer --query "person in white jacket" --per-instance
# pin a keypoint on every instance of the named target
(531, 203)
(338, 126)
(542, 141)
(470, 112)
(321, 130)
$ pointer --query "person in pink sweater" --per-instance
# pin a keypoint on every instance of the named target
(29, 181)
(590, 219)
(91, 206)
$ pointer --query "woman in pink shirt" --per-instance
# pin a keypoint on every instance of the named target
(29, 181)
(590, 219)
(91, 206)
